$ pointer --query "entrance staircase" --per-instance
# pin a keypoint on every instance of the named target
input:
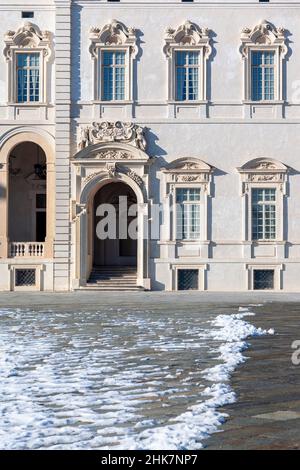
(113, 278)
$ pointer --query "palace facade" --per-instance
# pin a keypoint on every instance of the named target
(190, 109)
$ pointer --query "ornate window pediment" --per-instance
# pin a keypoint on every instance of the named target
(28, 48)
(188, 171)
(263, 49)
(187, 34)
(262, 171)
(27, 36)
(113, 46)
(187, 49)
(263, 34)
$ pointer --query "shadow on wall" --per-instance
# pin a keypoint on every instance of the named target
(213, 54)
(3, 192)
(76, 54)
(139, 42)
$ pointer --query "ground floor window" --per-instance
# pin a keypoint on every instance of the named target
(263, 279)
(25, 277)
(188, 213)
(188, 279)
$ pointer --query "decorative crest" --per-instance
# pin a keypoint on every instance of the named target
(125, 132)
(189, 34)
(114, 33)
(27, 36)
(264, 33)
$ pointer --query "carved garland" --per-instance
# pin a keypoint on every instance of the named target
(112, 170)
(125, 132)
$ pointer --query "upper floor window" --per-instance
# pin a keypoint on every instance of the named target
(28, 77)
(27, 52)
(263, 75)
(263, 49)
(188, 213)
(113, 49)
(113, 75)
(187, 75)
(187, 49)
(263, 214)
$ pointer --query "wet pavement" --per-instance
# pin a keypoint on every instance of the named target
(267, 412)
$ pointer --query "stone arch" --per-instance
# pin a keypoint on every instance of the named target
(8, 142)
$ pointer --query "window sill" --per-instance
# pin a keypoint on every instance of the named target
(187, 102)
(113, 102)
(29, 105)
(262, 103)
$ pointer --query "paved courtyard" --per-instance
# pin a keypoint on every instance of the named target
(149, 370)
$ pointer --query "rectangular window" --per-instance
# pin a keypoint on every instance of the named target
(188, 279)
(188, 213)
(264, 214)
(263, 279)
(25, 277)
(113, 75)
(262, 75)
(187, 75)
(28, 77)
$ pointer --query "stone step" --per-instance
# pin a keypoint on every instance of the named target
(97, 287)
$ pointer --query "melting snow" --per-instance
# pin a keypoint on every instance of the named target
(116, 379)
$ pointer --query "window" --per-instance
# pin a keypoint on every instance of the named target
(113, 49)
(188, 279)
(187, 75)
(188, 213)
(27, 14)
(113, 75)
(263, 279)
(262, 75)
(187, 49)
(28, 77)
(263, 50)
(25, 277)
(27, 52)
(264, 214)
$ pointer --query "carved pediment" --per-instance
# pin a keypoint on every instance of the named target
(187, 34)
(113, 33)
(103, 132)
(264, 33)
(27, 36)
(263, 170)
(188, 170)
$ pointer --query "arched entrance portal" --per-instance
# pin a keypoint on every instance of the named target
(116, 201)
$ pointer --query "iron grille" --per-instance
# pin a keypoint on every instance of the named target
(263, 279)
(188, 279)
(25, 277)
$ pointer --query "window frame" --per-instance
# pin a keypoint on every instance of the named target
(113, 36)
(277, 214)
(17, 54)
(277, 93)
(200, 65)
(28, 39)
(100, 74)
(263, 37)
(264, 67)
(198, 203)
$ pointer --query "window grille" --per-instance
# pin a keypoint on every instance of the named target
(263, 279)
(188, 279)
(25, 277)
